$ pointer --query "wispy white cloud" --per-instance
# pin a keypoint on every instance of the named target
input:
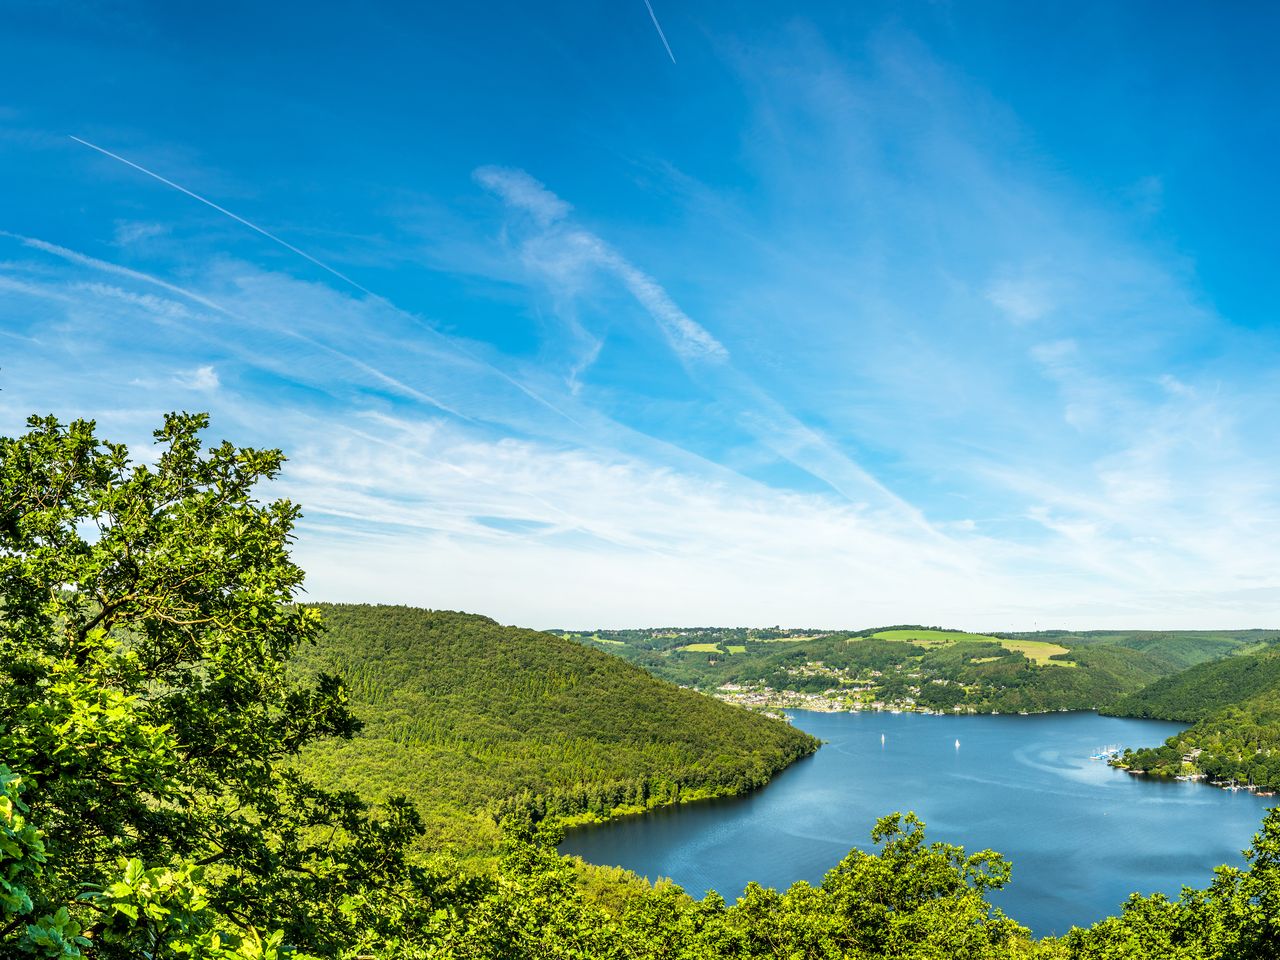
(242, 307)
(669, 541)
(609, 530)
(203, 378)
(150, 303)
(562, 251)
(559, 251)
(522, 191)
(1022, 299)
(130, 232)
(112, 268)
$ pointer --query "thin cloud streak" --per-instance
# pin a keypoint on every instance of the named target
(114, 268)
(518, 189)
(148, 303)
(223, 210)
(331, 270)
(654, 17)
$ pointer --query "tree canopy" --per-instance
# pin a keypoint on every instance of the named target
(147, 711)
(472, 719)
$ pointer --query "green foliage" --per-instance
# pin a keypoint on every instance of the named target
(910, 900)
(1177, 648)
(473, 721)
(21, 849)
(147, 712)
(1202, 690)
(1236, 705)
(1240, 743)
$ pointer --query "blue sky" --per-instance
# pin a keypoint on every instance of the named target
(846, 315)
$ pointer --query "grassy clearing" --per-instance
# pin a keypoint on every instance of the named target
(700, 648)
(934, 638)
(1038, 652)
(736, 649)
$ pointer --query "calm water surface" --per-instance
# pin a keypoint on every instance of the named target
(1081, 836)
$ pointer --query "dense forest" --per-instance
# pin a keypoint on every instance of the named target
(470, 719)
(1206, 688)
(173, 785)
(1235, 704)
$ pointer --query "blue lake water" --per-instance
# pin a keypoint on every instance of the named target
(1081, 836)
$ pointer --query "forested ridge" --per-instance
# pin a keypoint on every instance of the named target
(471, 719)
(161, 688)
(1181, 648)
(1206, 688)
(1235, 706)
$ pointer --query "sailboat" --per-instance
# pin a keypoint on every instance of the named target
(957, 744)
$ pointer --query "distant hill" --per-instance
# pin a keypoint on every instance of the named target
(1235, 703)
(1181, 648)
(461, 712)
(900, 667)
(1206, 688)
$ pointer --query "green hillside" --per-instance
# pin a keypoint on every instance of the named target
(1039, 652)
(909, 668)
(1181, 648)
(1206, 688)
(1238, 743)
(462, 715)
(1235, 704)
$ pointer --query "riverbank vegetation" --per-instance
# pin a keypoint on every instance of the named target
(173, 782)
(1235, 737)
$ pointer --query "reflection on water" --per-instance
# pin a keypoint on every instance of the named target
(1081, 836)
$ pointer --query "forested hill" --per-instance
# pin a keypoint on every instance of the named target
(1235, 704)
(1179, 648)
(463, 714)
(1206, 688)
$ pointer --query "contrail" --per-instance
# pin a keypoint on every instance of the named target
(224, 210)
(341, 276)
(654, 17)
(105, 266)
(115, 268)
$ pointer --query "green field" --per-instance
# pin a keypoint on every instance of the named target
(1037, 651)
(702, 648)
(594, 638)
(736, 649)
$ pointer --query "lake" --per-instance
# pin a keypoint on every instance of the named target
(1081, 836)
